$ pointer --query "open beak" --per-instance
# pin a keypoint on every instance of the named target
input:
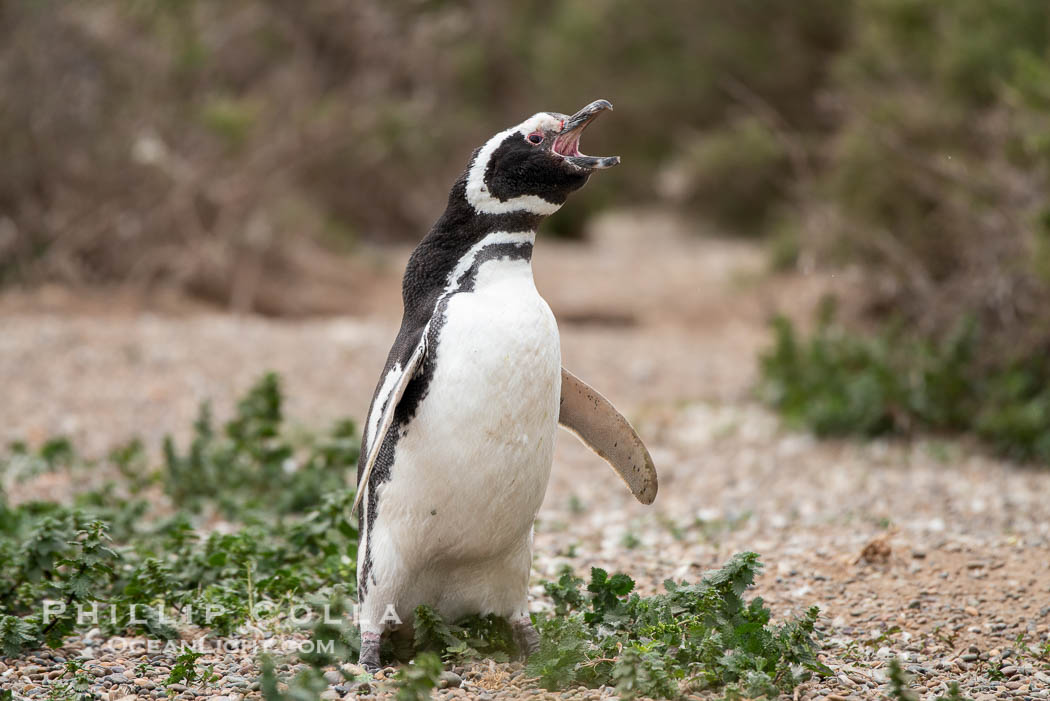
(567, 142)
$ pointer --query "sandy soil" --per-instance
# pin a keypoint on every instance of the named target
(930, 551)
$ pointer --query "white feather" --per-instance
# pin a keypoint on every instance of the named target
(382, 416)
(395, 381)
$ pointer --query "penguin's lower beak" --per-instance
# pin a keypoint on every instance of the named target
(567, 142)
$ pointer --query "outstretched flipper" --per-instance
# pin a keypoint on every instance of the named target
(589, 415)
(384, 406)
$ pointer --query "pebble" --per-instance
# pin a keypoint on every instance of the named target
(449, 679)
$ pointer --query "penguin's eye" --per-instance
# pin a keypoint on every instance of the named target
(535, 138)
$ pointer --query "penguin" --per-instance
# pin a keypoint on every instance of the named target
(458, 445)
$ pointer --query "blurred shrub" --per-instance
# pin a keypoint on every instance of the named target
(161, 142)
(207, 145)
(230, 119)
(938, 172)
(738, 173)
(837, 383)
(936, 181)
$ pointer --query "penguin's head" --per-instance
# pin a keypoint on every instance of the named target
(532, 167)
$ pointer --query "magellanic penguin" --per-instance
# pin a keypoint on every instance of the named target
(458, 446)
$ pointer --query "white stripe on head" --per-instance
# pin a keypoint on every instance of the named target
(478, 194)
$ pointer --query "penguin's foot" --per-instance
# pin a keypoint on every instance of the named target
(525, 636)
(369, 657)
(404, 643)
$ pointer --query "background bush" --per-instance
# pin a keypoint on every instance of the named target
(193, 143)
(935, 180)
(226, 148)
(836, 383)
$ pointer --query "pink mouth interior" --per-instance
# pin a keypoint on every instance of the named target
(568, 144)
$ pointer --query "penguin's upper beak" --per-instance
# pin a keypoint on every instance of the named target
(567, 142)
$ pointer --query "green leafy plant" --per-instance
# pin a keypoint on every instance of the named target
(16, 634)
(898, 683)
(704, 635)
(102, 551)
(105, 550)
(839, 383)
(185, 668)
(640, 671)
(471, 638)
(899, 689)
(252, 465)
(305, 686)
(607, 596)
(565, 592)
(76, 689)
(414, 682)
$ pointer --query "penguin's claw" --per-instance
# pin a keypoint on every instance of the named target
(525, 636)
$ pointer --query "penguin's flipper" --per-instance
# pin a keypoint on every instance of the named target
(604, 430)
(384, 407)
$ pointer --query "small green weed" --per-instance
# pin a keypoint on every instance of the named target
(899, 689)
(103, 552)
(301, 547)
(251, 466)
(76, 689)
(306, 686)
(630, 540)
(898, 683)
(185, 671)
(472, 638)
(414, 682)
(694, 636)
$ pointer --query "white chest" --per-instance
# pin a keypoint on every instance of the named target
(500, 343)
(472, 466)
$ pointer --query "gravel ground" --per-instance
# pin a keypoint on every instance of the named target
(929, 551)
